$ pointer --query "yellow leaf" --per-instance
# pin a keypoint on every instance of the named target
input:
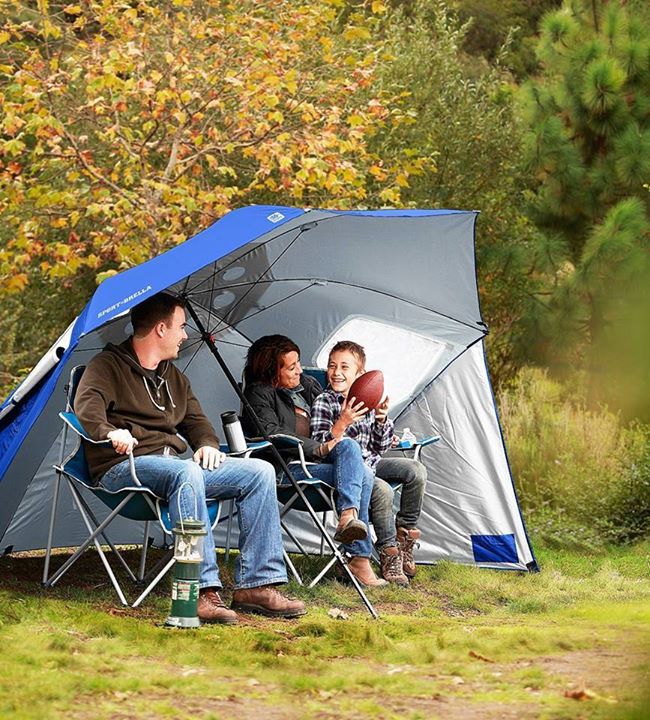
(378, 7)
(355, 120)
(17, 283)
(72, 9)
(4, 36)
(357, 33)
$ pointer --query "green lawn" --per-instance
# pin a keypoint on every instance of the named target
(460, 643)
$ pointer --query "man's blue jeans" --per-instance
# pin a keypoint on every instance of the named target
(250, 482)
(344, 470)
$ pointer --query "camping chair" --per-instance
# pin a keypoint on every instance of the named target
(135, 503)
(320, 496)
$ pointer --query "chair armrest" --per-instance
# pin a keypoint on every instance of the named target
(418, 443)
(73, 422)
(251, 447)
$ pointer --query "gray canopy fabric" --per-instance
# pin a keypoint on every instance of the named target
(404, 278)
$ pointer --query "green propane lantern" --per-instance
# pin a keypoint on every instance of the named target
(188, 553)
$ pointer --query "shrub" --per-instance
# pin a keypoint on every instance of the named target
(583, 477)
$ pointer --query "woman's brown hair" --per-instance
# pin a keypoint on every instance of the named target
(264, 356)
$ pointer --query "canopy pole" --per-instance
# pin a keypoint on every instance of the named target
(208, 340)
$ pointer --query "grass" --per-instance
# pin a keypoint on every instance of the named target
(460, 642)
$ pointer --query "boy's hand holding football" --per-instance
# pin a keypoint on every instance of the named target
(350, 413)
(381, 411)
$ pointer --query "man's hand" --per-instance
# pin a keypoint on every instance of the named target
(208, 458)
(123, 441)
(381, 411)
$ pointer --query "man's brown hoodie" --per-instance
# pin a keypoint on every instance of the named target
(116, 392)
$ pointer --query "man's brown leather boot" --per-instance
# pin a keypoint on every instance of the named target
(267, 600)
(211, 609)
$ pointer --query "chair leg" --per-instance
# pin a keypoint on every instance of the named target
(50, 535)
(294, 539)
(99, 530)
(143, 554)
(231, 513)
(155, 581)
(322, 539)
(82, 502)
(292, 567)
(323, 572)
(104, 559)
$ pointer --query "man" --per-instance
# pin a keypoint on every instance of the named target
(134, 396)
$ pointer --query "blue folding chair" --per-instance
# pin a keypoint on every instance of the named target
(137, 503)
(319, 494)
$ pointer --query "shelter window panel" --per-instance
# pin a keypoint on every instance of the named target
(406, 358)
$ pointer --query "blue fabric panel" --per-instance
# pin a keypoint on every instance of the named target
(121, 292)
(494, 548)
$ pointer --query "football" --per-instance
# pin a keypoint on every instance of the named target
(368, 388)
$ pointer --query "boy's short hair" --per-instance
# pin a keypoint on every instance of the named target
(157, 308)
(351, 347)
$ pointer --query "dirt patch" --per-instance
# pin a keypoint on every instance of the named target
(146, 706)
(608, 674)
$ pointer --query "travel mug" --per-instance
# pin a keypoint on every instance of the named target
(233, 432)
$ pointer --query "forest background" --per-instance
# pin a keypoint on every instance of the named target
(127, 127)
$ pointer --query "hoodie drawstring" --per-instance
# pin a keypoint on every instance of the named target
(160, 407)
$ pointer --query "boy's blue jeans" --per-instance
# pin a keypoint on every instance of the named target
(252, 484)
(345, 470)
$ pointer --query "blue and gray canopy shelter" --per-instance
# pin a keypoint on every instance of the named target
(402, 283)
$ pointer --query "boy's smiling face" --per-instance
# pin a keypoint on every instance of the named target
(343, 369)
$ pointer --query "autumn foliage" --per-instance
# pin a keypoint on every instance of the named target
(128, 127)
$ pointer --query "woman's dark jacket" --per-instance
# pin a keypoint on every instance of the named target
(277, 413)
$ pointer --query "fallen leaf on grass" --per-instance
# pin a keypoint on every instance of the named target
(582, 693)
(338, 614)
(397, 669)
(457, 680)
(579, 694)
(117, 611)
(186, 672)
(252, 682)
(476, 655)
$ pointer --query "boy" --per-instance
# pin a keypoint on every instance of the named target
(333, 416)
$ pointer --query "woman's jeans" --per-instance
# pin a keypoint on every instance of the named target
(344, 470)
(252, 484)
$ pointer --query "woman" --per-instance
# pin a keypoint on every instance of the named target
(281, 397)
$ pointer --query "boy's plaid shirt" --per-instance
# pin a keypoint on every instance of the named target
(373, 438)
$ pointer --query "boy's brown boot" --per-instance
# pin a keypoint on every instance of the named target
(390, 560)
(407, 539)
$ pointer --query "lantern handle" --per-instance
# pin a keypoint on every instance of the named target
(196, 503)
